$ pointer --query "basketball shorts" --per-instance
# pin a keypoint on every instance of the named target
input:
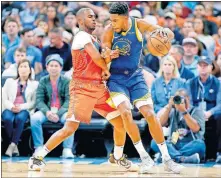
(86, 97)
(131, 88)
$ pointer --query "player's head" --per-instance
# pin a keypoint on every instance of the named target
(119, 14)
(86, 19)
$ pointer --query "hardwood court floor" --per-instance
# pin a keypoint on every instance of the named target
(55, 167)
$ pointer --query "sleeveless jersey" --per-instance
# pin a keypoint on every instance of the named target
(130, 45)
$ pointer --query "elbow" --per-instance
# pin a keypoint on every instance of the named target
(196, 129)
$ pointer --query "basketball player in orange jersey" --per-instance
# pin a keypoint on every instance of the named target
(87, 93)
(127, 84)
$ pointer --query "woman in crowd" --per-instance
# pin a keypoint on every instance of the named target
(166, 85)
(18, 102)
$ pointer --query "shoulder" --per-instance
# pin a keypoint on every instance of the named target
(44, 80)
(82, 34)
(12, 49)
(64, 79)
(34, 49)
(10, 80)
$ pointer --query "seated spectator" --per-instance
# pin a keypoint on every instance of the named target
(205, 91)
(210, 16)
(177, 52)
(70, 22)
(52, 17)
(57, 46)
(39, 38)
(218, 42)
(33, 54)
(166, 84)
(152, 62)
(178, 11)
(190, 59)
(199, 12)
(52, 100)
(12, 71)
(11, 38)
(202, 34)
(187, 28)
(29, 15)
(185, 142)
(18, 103)
(170, 22)
(218, 61)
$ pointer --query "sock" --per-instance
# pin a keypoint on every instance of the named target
(164, 151)
(140, 149)
(42, 153)
(118, 152)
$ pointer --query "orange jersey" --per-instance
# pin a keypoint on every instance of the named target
(83, 65)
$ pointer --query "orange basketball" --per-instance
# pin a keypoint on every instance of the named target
(157, 45)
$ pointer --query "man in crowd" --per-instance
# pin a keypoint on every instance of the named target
(187, 126)
(205, 91)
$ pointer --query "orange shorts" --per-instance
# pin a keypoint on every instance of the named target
(86, 97)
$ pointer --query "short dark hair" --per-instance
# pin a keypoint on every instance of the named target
(25, 30)
(69, 12)
(8, 20)
(180, 49)
(120, 8)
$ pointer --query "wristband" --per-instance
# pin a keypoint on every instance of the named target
(184, 113)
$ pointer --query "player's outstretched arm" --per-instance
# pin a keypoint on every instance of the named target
(144, 26)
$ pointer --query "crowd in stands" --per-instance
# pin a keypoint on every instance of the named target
(37, 66)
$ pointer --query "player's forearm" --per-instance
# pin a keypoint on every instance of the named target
(101, 63)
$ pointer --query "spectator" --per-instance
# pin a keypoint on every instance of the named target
(99, 29)
(39, 38)
(218, 61)
(187, 127)
(178, 11)
(70, 22)
(18, 102)
(57, 46)
(42, 24)
(29, 15)
(205, 91)
(177, 52)
(199, 12)
(202, 34)
(209, 15)
(53, 20)
(166, 84)
(103, 15)
(52, 100)
(190, 59)
(187, 28)
(12, 71)
(218, 42)
(33, 54)
(170, 22)
(11, 37)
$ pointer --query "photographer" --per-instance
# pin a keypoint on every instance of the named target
(187, 126)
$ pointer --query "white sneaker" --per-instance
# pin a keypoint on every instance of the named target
(67, 153)
(146, 165)
(15, 152)
(172, 166)
(10, 149)
(36, 164)
(37, 149)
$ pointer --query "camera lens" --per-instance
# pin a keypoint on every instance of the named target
(177, 99)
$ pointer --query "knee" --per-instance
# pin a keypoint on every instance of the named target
(126, 114)
(200, 145)
(119, 128)
(34, 121)
(149, 115)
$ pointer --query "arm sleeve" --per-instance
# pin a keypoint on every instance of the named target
(40, 97)
(217, 108)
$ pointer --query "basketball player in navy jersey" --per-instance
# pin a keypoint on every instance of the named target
(127, 84)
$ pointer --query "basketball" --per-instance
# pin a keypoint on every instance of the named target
(157, 45)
